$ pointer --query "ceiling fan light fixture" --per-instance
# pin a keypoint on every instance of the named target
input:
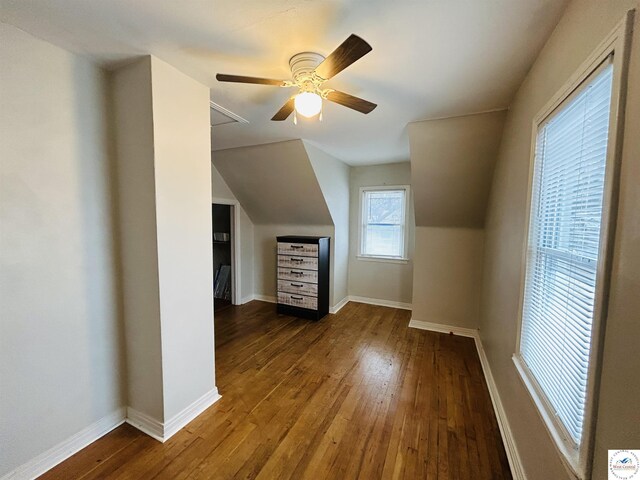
(308, 104)
(309, 71)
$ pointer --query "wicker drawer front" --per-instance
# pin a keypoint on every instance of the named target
(298, 287)
(298, 300)
(306, 276)
(306, 263)
(300, 249)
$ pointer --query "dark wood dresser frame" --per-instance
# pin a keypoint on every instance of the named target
(323, 278)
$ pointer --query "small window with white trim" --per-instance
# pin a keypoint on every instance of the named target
(383, 218)
(566, 270)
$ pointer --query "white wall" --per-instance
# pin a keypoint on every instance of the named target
(61, 363)
(220, 190)
(376, 279)
(333, 178)
(584, 25)
(275, 183)
(447, 276)
(138, 239)
(452, 163)
(182, 148)
(164, 173)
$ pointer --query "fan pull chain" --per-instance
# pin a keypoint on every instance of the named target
(295, 118)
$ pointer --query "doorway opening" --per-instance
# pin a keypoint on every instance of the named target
(224, 253)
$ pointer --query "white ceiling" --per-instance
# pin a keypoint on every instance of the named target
(430, 58)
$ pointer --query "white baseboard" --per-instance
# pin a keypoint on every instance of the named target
(52, 457)
(175, 424)
(515, 463)
(152, 427)
(264, 298)
(146, 424)
(164, 431)
(438, 327)
(246, 299)
(517, 470)
(380, 302)
(336, 308)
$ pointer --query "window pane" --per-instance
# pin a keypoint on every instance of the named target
(385, 207)
(563, 247)
(383, 218)
(385, 240)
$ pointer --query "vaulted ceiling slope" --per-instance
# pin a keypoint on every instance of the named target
(452, 163)
(430, 58)
(275, 183)
(333, 178)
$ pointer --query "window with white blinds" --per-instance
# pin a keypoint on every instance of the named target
(383, 222)
(563, 249)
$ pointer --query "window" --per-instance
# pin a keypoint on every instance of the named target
(565, 272)
(383, 222)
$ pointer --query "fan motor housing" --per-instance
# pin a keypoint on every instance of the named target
(303, 64)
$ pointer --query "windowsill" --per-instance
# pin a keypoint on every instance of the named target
(372, 258)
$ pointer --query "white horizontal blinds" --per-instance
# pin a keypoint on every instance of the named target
(383, 223)
(563, 247)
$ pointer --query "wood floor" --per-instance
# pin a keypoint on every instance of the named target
(356, 395)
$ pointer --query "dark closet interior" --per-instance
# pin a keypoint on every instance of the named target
(222, 271)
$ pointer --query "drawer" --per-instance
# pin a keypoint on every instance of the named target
(298, 300)
(306, 263)
(300, 249)
(298, 287)
(306, 276)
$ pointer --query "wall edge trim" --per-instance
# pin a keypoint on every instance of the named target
(246, 299)
(338, 306)
(443, 328)
(65, 449)
(181, 419)
(264, 298)
(145, 424)
(517, 469)
(380, 302)
(459, 115)
(163, 431)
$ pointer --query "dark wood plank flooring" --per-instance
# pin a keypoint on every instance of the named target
(356, 395)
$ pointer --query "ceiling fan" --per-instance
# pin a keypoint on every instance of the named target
(309, 71)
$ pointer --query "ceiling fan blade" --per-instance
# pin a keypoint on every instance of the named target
(222, 77)
(285, 111)
(352, 49)
(350, 101)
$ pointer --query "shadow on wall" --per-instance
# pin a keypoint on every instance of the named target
(97, 187)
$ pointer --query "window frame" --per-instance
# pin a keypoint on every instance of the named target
(578, 459)
(403, 258)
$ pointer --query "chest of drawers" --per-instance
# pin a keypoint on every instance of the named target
(303, 276)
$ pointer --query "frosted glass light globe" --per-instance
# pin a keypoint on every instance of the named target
(308, 104)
